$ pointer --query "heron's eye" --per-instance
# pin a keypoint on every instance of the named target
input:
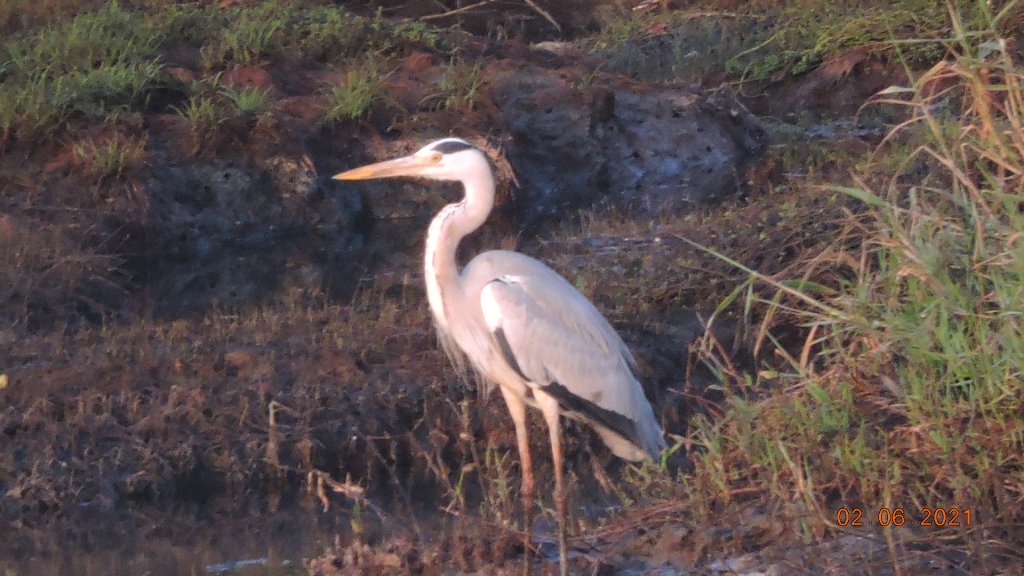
(436, 157)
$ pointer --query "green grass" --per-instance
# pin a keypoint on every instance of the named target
(112, 157)
(97, 60)
(89, 66)
(402, 34)
(909, 388)
(202, 114)
(807, 37)
(247, 100)
(764, 40)
(460, 85)
(353, 99)
(191, 25)
(327, 33)
(252, 34)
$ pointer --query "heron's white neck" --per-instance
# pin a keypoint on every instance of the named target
(447, 229)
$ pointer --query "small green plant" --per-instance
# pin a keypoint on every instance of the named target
(202, 115)
(247, 100)
(190, 24)
(253, 33)
(354, 98)
(328, 32)
(460, 84)
(112, 157)
(416, 32)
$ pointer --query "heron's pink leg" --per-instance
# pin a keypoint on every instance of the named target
(517, 409)
(549, 406)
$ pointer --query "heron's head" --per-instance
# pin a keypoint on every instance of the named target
(447, 159)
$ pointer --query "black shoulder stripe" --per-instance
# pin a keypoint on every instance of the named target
(506, 352)
(610, 419)
(452, 145)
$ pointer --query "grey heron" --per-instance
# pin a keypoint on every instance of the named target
(523, 327)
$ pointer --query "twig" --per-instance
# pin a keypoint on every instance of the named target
(543, 13)
(695, 15)
(318, 481)
(454, 11)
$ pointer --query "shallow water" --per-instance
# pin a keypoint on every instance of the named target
(181, 542)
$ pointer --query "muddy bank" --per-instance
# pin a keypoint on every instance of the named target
(221, 349)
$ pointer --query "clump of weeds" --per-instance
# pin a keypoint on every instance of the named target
(905, 394)
(252, 34)
(248, 100)
(326, 33)
(112, 156)
(459, 85)
(202, 115)
(353, 99)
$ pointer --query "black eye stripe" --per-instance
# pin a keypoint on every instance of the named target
(451, 146)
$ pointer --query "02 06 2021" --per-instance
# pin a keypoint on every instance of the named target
(940, 516)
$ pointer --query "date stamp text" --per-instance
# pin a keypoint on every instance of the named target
(937, 517)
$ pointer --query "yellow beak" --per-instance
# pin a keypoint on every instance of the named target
(404, 166)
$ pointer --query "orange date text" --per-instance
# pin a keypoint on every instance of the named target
(939, 517)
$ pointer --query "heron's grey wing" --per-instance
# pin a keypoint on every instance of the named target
(558, 342)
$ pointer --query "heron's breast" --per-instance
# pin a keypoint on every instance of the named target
(434, 296)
